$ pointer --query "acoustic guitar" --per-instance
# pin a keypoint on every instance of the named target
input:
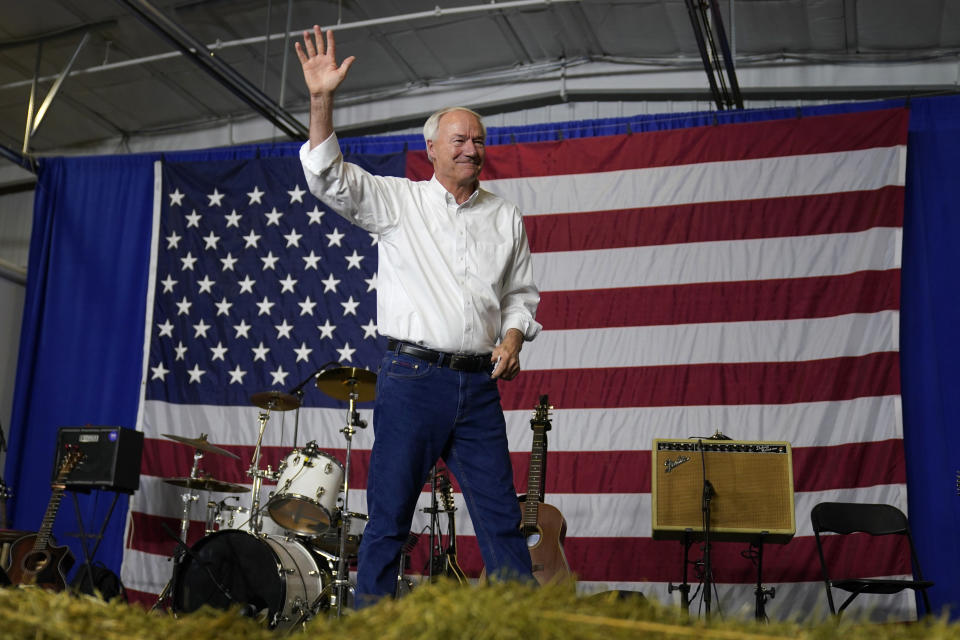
(543, 526)
(34, 561)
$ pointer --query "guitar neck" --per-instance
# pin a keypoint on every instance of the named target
(538, 461)
(538, 464)
(43, 535)
(70, 460)
(451, 568)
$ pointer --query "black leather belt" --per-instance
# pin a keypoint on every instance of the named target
(456, 361)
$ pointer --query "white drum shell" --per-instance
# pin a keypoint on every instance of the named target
(305, 499)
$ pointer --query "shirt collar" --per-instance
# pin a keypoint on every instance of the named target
(448, 198)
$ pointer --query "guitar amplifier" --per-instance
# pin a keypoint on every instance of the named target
(752, 490)
(111, 458)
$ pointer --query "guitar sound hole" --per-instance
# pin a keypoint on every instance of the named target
(34, 562)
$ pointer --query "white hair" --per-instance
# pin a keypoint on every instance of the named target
(433, 122)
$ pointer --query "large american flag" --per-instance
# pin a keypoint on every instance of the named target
(741, 278)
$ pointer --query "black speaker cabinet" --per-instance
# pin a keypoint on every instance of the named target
(111, 458)
(752, 482)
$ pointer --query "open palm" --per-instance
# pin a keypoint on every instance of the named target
(319, 61)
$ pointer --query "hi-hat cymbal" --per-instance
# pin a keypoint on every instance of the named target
(202, 444)
(207, 484)
(275, 400)
(338, 383)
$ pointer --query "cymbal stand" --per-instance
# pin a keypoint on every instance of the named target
(258, 475)
(341, 585)
(188, 497)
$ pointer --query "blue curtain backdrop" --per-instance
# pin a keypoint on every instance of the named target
(89, 264)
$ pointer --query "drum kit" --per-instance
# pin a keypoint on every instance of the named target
(285, 560)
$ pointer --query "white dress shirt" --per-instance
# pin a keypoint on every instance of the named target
(451, 277)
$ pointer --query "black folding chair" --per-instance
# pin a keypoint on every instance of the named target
(877, 520)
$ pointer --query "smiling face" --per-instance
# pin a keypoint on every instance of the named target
(457, 152)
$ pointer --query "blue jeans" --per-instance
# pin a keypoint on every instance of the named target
(422, 413)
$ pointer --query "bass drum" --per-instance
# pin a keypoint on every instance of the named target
(270, 577)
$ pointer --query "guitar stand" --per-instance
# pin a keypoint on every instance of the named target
(436, 545)
(89, 555)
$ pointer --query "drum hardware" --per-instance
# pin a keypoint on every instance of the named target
(275, 578)
(221, 515)
(182, 551)
(330, 539)
(207, 483)
(354, 385)
(194, 482)
(201, 444)
(274, 401)
(267, 401)
(297, 392)
(307, 486)
(346, 382)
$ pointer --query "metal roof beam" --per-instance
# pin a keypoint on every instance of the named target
(219, 70)
(37, 120)
(17, 158)
(708, 30)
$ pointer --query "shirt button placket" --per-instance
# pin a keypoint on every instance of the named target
(462, 273)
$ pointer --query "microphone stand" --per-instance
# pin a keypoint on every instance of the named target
(708, 493)
(298, 392)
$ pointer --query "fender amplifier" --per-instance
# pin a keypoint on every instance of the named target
(752, 490)
(111, 458)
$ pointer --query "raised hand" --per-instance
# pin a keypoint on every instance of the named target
(319, 61)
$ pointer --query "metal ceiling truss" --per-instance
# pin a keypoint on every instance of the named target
(230, 78)
(35, 118)
(709, 32)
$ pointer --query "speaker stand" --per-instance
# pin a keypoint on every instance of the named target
(684, 587)
(759, 591)
(89, 555)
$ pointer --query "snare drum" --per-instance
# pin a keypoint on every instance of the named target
(279, 577)
(329, 540)
(306, 497)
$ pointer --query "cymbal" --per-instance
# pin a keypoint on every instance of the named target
(337, 383)
(202, 444)
(275, 400)
(207, 484)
